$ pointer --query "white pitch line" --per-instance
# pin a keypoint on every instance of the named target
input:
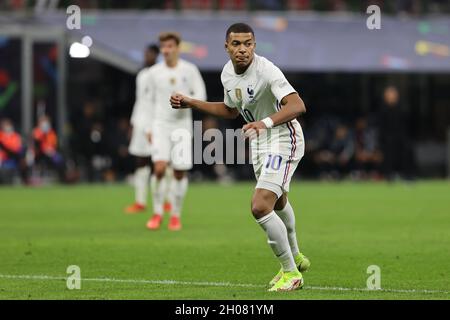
(212, 284)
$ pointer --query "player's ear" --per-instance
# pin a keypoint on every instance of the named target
(226, 46)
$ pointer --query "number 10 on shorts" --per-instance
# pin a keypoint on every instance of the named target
(273, 162)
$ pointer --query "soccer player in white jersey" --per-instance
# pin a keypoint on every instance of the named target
(140, 145)
(255, 88)
(172, 129)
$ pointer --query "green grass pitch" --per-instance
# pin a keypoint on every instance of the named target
(221, 253)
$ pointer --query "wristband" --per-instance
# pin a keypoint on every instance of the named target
(268, 122)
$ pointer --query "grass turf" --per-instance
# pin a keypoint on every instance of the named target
(342, 227)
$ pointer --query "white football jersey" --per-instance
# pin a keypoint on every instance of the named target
(185, 78)
(142, 110)
(257, 94)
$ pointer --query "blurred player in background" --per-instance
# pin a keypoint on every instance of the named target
(258, 90)
(140, 144)
(172, 134)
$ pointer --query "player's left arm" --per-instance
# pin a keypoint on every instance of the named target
(292, 106)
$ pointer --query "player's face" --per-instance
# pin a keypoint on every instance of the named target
(150, 57)
(391, 96)
(170, 50)
(6, 126)
(241, 48)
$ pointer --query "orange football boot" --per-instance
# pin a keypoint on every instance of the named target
(135, 208)
(174, 223)
(155, 222)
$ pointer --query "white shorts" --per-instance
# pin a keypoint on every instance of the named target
(274, 166)
(139, 144)
(173, 144)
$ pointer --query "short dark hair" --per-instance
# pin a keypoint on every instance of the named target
(239, 27)
(153, 47)
(164, 36)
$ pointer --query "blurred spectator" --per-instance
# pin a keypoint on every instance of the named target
(119, 139)
(11, 151)
(335, 158)
(400, 7)
(396, 147)
(298, 4)
(272, 5)
(91, 143)
(214, 171)
(98, 157)
(368, 156)
(45, 146)
(10, 143)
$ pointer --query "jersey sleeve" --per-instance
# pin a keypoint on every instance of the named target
(227, 99)
(278, 83)
(135, 106)
(226, 96)
(149, 101)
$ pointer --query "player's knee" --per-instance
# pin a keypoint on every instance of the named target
(179, 174)
(159, 170)
(260, 209)
(159, 174)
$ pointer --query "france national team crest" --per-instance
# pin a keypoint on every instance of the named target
(251, 92)
(238, 93)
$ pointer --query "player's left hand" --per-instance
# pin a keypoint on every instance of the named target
(253, 129)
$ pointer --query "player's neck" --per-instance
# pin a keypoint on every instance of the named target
(241, 70)
(172, 64)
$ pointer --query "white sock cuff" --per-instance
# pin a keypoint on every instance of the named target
(266, 218)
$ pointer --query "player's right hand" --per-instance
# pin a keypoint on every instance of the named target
(179, 101)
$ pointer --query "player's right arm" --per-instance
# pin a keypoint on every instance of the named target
(136, 101)
(149, 98)
(218, 109)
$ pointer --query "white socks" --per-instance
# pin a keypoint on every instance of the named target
(141, 176)
(159, 188)
(177, 192)
(288, 217)
(278, 240)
